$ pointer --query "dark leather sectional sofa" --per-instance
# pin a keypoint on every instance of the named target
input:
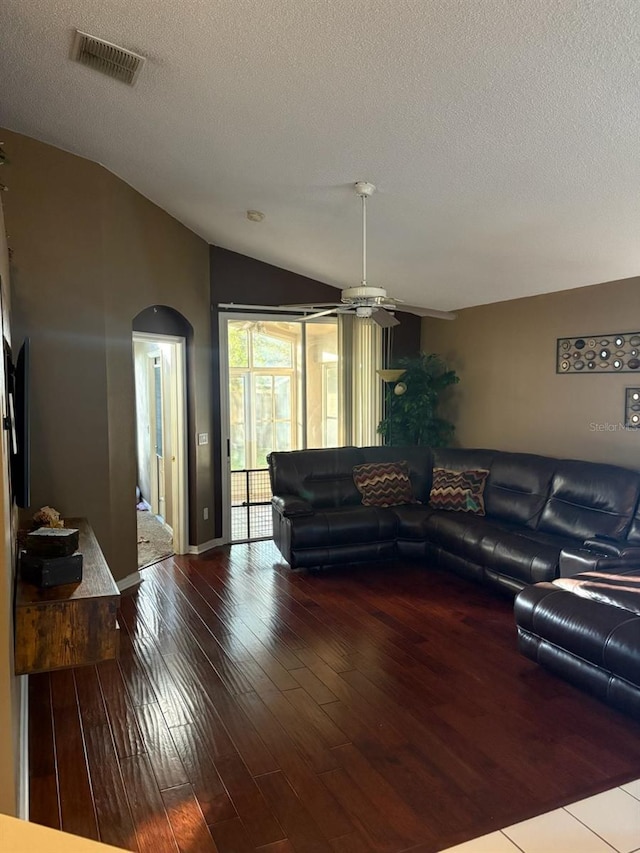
(544, 517)
(592, 638)
(536, 506)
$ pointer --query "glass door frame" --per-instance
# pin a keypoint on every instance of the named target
(253, 313)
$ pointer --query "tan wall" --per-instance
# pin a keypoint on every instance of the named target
(9, 684)
(510, 396)
(90, 253)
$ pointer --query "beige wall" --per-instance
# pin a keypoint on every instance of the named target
(9, 684)
(510, 396)
(90, 253)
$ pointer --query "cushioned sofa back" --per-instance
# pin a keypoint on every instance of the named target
(461, 459)
(518, 487)
(322, 477)
(633, 534)
(588, 499)
(419, 459)
(518, 483)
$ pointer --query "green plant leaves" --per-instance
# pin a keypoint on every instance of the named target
(412, 417)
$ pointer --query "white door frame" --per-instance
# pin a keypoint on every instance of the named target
(178, 404)
(154, 491)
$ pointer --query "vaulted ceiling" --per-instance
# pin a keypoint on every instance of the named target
(503, 135)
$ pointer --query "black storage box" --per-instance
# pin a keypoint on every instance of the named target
(52, 542)
(54, 571)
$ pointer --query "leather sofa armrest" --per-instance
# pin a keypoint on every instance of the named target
(612, 548)
(599, 556)
(291, 506)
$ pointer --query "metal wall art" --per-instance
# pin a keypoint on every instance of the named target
(611, 353)
(632, 408)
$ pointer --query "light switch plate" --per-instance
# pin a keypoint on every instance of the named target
(203, 438)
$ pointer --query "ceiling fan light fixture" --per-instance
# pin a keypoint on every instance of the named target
(364, 311)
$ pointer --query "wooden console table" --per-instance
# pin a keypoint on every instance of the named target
(71, 625)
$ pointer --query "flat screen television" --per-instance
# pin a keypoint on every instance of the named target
(19, 440)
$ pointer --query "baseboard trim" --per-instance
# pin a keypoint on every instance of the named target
(23, 750)
(205, 546)
(131, 580)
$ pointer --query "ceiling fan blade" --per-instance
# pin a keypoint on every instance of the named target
(383, 318)
(318, 314)
(428, 312)
(311, 305)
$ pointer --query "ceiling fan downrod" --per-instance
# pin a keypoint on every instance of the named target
(364, 189)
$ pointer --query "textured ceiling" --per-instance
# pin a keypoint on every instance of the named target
(503, 134)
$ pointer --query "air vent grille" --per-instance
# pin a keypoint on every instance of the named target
(109, 59)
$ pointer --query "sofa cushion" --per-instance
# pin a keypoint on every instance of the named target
(496, 530)
(412, 519)
(633, 536)
(526, 556)
(518, 487)
(607, 636)
(461, 459)
(324, 478)
(352, 526)
(383, 483)
(458, 491)
(419, 459)
(461, 533)
(588, 499)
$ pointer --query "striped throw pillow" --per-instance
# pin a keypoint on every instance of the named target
(458, 491)
(384, 483)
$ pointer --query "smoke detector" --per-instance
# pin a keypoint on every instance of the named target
(109, 59)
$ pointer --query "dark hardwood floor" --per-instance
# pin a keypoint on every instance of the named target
(374, 708)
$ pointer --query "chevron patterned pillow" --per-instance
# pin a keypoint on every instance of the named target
(458, 491)
(384, 483)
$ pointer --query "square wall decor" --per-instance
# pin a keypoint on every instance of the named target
(608, 353)
(632, 408)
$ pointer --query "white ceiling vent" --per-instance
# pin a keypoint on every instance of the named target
(107, 58)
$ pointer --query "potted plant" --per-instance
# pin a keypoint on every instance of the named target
(411, 404)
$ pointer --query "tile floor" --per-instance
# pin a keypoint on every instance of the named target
(605, 823)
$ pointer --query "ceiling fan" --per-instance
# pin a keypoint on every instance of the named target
(365, 300)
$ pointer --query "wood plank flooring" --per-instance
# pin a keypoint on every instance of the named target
(374, 708)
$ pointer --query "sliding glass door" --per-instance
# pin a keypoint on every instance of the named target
(283, 388)
(284, 393)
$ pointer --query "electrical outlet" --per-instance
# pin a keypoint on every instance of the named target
(205, 513)
(203, 438)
